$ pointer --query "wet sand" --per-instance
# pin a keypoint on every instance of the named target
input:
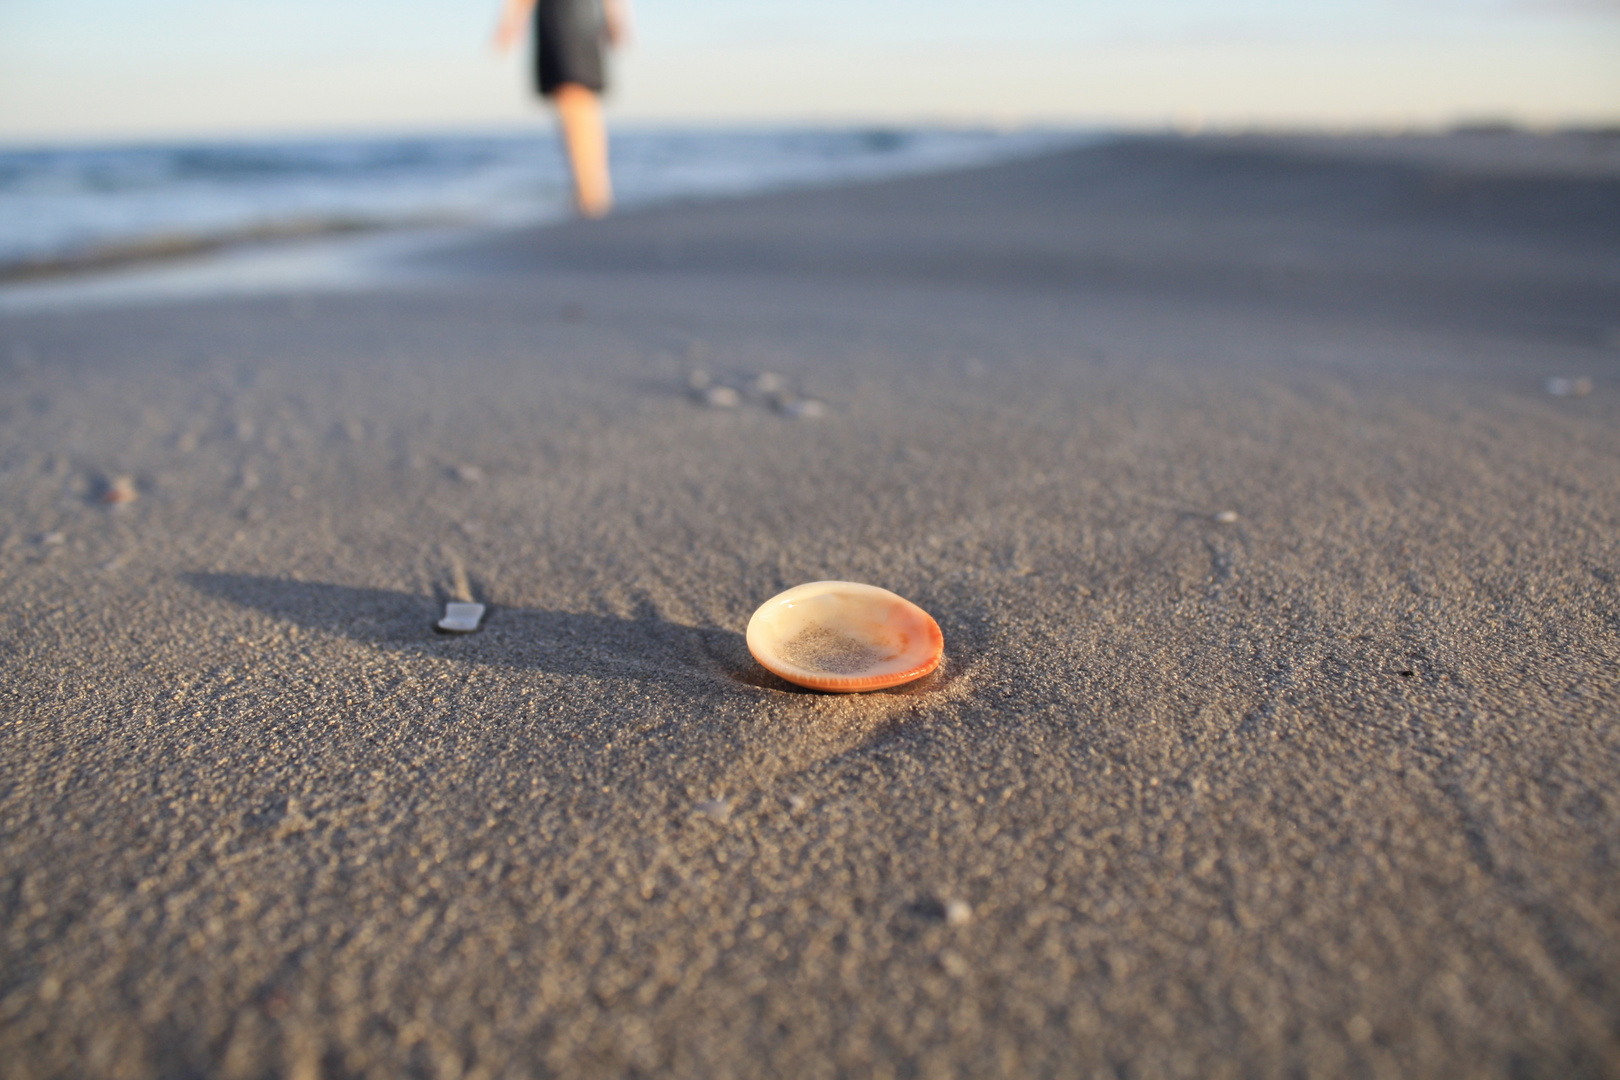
(1279, 728)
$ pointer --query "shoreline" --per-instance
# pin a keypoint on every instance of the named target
(914, 151)
(1464, 156)
(158, 250)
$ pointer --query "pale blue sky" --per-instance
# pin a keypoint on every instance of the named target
(99, 67)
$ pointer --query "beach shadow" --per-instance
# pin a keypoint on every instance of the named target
(556, 642)
(754, 751)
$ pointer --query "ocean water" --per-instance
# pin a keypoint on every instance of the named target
(66, 205)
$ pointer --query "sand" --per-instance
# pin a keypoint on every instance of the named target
(1279, 728)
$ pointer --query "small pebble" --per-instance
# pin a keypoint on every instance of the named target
(698, 380)
(121, 490)
(722, 397)
(768, 382)
(469, 474)
(952, 964)
(1226, 517)
(802, 408)
(958, 913)
(715, 809)
(53, 539)
(1561, 386)
(460, 618)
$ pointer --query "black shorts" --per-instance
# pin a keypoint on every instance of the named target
(568, 38)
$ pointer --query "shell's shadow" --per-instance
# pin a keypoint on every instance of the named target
(556, 642)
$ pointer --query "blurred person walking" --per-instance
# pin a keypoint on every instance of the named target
(569, 38)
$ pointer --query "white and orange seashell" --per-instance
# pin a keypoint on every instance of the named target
(844, 637)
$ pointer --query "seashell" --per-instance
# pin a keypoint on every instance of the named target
(120, 490)
(461, 618)
(844, 637)
(800, 408)
(722, 397)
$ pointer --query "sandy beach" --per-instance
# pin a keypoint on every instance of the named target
(1279, 728)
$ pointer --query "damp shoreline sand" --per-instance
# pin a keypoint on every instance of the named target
(1280, 717)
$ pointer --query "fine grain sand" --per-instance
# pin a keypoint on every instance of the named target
(1278, 735)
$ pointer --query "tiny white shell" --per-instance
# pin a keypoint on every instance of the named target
(844, 637)
(461, 618)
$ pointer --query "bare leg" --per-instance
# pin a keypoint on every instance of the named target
(586, 138)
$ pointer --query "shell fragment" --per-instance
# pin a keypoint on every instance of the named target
(461, 618)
